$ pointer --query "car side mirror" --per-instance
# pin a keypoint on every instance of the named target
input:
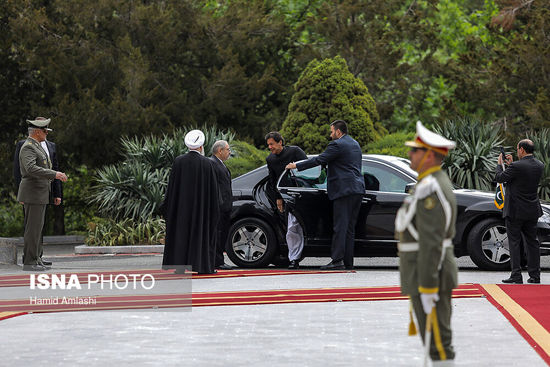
(409, 187)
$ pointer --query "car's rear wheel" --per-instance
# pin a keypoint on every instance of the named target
(488, 245)
(251, 244)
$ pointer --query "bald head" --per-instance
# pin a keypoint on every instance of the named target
(527, 145)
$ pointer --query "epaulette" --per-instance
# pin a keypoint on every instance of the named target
(425, 187)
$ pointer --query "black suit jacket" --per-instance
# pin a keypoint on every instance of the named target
(57, 187)
(343, 157)
(522, 179)
(224, 183)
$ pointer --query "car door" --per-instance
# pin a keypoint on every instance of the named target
(385, 192)
(305, 193)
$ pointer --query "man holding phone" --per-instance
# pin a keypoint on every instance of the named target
(521, 208)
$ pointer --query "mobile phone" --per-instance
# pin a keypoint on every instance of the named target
(502, 152)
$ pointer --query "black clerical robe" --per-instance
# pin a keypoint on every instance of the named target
(191, 211)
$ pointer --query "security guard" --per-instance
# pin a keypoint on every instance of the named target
(425, 227)
(34, 190)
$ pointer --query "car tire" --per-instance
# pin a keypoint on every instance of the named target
(488, 245)
(251, 243)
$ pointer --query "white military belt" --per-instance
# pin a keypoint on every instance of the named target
(413, 246)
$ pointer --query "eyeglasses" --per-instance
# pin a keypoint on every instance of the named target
(414, 149)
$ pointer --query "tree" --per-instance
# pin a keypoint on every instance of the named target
(252, 66)
(327, 91)
(504, 77)
(16, 91)
(369, 35)
(521, 69)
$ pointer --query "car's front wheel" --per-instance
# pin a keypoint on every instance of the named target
(488, 245)
(251, 244)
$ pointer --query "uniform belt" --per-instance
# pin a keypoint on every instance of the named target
(413, 246)
(407, 246)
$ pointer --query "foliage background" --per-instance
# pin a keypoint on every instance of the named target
(391, 144)
(135, 187)
(114, 68)
(327, 91)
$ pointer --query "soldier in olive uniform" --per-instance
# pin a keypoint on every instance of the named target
(425, 227)
(34, 190)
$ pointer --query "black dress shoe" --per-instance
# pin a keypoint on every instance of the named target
(294, 264)
(512, 281)
(224, 267)
(45, 262)
(35, 267)
(334, 265)
(533, 280)
(350, 267)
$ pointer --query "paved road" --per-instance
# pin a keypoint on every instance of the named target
(372, 333)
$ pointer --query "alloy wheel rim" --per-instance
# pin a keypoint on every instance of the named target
(249, 243)
(494, 244)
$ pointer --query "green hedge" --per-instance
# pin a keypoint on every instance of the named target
(245, 158)
(11, 217)
(391, 144)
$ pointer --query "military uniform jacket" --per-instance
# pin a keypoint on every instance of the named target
(57, 186)
(425, 226)
(36, 174)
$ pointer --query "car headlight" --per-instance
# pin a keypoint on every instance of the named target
(545, 217)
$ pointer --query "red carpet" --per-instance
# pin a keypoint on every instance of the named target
(22, 280)
(7, 315)
(220, 299)
(527, 308)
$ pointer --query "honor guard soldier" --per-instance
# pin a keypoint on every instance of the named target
(425, 227)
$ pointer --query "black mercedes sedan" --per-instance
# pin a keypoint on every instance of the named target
(257, 233)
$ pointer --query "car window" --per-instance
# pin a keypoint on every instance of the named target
(315, 177)
(379, 177)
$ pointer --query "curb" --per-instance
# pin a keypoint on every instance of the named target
(48, 240)
(8, 251)
(137, 249)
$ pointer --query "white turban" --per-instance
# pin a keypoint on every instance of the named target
(194, 139)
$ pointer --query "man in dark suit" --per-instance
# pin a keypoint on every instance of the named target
(345, 188)
(220, 153)
(522, 209)
(56, 185)
(280, 156)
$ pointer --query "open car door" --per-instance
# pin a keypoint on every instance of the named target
(305, 195)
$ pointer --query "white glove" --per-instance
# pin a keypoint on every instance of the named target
(428, 301)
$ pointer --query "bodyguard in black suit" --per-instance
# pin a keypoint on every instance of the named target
(522, 209)
(220, 153)
(345, 188)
